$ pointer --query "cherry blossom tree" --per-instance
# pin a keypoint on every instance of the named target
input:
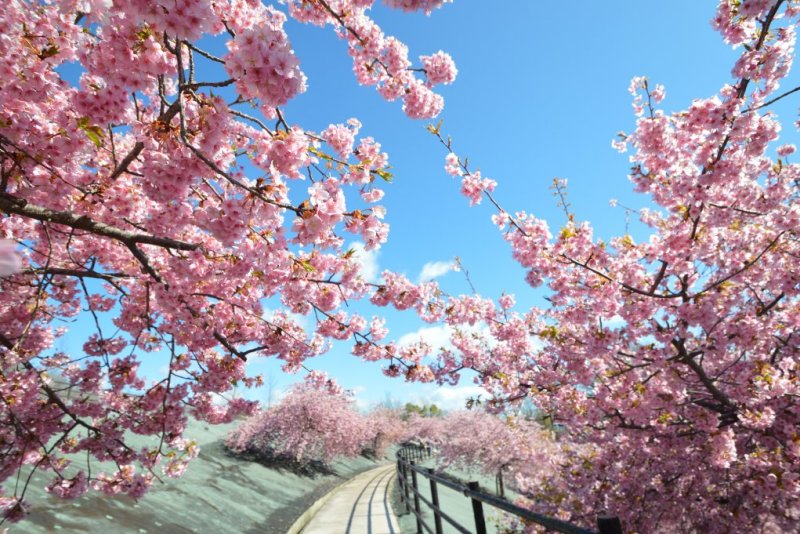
(423, 430)
(313, 423)
(386, 428)
(126, 197)
(503, 447)
(672, 359)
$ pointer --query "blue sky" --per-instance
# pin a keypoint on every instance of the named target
(541, 92)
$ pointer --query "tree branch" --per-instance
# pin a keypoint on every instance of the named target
(167, 116)
(20, 206)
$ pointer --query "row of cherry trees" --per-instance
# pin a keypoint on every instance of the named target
(318, 422)
(127, 197)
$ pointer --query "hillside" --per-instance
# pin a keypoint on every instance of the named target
(218, 493)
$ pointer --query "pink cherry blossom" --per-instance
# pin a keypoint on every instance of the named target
(439, 68)
(473, 186)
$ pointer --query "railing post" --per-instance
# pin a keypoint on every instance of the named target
(437, 519)
(477, 509)
(501, 490)
(609, 525)
(416, 499)
(405, 487)
(400, 478)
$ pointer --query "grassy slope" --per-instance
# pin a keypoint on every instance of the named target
(218, 493)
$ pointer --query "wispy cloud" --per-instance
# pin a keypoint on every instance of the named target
(449, 397)
(369, 262)
(435, 336)
(434, 269)
(358, 393)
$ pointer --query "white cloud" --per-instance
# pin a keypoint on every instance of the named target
(368, 260)
(449, 397)
(434, 269)
(278, 394)
(358, 396)
(439, 336)
(536, 343)
(435, 336)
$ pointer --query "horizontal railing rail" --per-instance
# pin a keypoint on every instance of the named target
(407, 457)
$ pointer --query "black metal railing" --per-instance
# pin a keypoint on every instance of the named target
(412, 499)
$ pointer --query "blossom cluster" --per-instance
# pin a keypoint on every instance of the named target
(263, 63)
(382, 60)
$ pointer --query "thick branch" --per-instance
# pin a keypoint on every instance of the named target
(764, 309)
(79, 273)
(727, 405)
(20, 206)
(659, 277)
(227, 344)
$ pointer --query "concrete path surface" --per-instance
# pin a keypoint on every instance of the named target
(359, 506)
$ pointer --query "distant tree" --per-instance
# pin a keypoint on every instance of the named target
(498, 446)
(386, 427)
(411, 408)
(315, 422)
(425, 410)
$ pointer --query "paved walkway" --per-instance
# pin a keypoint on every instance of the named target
(359, 506)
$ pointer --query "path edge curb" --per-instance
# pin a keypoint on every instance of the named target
(312, 510)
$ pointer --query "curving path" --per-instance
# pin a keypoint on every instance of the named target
(359, 506)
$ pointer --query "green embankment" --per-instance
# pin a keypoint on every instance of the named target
(218, 493)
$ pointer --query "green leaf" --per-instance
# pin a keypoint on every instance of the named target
(307, 266)
(50, 51)
(435, 129)
(319, 153)
(567, 232)
(144, 33)
(93, 132)
(386, 175)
